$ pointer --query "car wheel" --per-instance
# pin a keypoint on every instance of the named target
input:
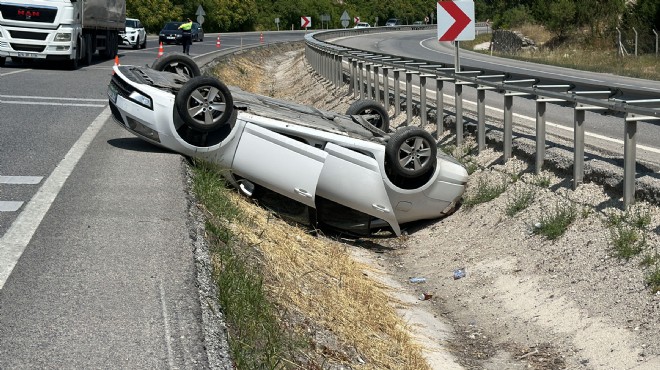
(144, 43)
(372, 111)
(137, 43)
(204, 103)
(178, 63)
(411, 152)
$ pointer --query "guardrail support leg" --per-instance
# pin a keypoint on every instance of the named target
(481, 120)
(361, 78)
(355, 78)
(409, 97)
(629, 162)
(439, 107)
(369, 94)
(397, 93)
(578, 138)
(386, 88)
(508, 126)
(540, 136)
(422, 99)
(459, 114)
(351, 74)
(376, 84)
(340, 71)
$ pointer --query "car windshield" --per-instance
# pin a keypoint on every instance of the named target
(131, 23)
(172, 25)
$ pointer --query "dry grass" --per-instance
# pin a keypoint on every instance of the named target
(318, 279)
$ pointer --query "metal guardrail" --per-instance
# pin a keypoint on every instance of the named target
(328, 60)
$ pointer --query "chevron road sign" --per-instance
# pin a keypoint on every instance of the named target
(455, 20)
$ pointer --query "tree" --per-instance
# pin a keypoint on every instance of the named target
(153, 13)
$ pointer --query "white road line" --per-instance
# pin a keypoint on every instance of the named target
(50, 98)
(10, 206)
(166, 323)
(20, 180)
(56, 104)
(19, 234)
(14, 72)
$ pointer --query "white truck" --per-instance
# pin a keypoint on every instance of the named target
(60, 30)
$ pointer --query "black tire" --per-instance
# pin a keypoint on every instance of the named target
(74, 63)
(137, 43)
(178, 63)
(204, 103)
(144, 43)
(2, 61)
(89, 50)
(372, 111)
(411, 152)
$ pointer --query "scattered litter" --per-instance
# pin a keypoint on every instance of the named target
(538, 225)
(416, 280)
(460, 273)
(425, 296)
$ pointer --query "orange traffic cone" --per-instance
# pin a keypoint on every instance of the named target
(217, 43)
(116, 63)
(261, 38)
(160, 50)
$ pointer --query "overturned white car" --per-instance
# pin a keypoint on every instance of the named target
(338, 166)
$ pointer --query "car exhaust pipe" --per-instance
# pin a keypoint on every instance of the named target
(246, 187)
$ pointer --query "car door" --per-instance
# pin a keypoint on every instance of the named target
(279, 163)
(354, 180)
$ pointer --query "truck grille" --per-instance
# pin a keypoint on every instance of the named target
(25, 47)
(18, 12)
(28, 35)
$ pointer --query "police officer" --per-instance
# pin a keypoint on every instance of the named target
(186, 37)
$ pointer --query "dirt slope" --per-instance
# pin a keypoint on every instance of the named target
(525, 301)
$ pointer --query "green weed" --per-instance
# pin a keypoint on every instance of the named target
(553, 224)
(519, 199)
(485, 192)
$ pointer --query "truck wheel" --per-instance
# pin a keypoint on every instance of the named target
(204, 103)
(372, 111)
(2, 61)
(411, 152)
(75, 62)
(89, 50)
(178, 63)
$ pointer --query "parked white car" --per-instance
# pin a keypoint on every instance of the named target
(134, 34)
(333, 164)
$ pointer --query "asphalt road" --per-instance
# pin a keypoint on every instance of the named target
(96, 260)
(602, 131)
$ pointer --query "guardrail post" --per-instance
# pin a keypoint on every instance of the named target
(409, 96)
(422, 98)
(368, 66)
(340, 70)
(355, 78)
(361, 78)
(508, 125)
(578, 143)
(540, 136)
(376, 83)
(439, 105)
(350, 75)
(386, 87)
(459, 113)
(397, 92)
(629, 161)
(481, 119)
